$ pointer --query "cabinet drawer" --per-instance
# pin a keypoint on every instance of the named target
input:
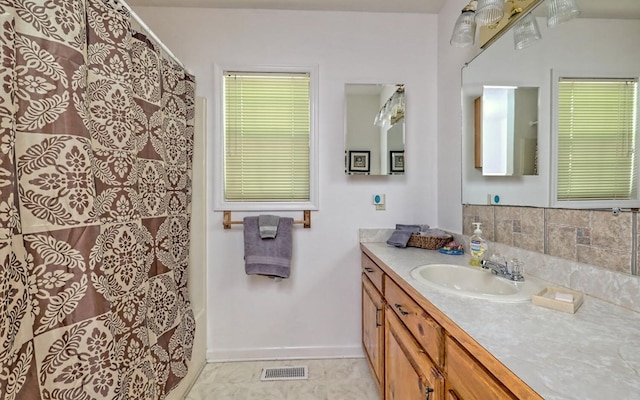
(427, 332)
(373, 272)
(469, 380)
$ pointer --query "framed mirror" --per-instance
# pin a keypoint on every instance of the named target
(601, 42)
(374, 129)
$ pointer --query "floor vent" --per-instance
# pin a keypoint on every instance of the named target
(284, 373)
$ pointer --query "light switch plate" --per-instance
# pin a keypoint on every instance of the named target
(379, 202)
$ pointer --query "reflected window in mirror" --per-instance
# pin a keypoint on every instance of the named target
(596, 136)
(374, 129)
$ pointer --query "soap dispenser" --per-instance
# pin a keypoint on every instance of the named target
(478, 246)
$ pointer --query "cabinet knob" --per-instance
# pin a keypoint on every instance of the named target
(428, 391)
(403, 312)
(368, 269)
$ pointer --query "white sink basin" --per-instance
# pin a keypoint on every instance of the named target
(476, 282)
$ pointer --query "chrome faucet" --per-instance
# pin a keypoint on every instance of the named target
(503, 270)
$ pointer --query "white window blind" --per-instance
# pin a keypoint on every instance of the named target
(597, 126)
(267, 126)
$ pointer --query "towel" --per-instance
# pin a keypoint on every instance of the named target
(267, 257)
(412, 228)
(435, 232)
(268, 225)
(400, 237)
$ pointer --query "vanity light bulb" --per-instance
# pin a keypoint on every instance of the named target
(525, 32)
(489, 12)
(559, 11)
(464, 31)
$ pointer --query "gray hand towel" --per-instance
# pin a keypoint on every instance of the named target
(400, 237)
(267, 257)
(412, 228)
(268, 225)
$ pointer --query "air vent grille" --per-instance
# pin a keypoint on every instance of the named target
(284, 373)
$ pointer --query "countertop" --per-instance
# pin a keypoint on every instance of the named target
(592, 354)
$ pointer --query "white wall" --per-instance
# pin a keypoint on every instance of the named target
(450, 62)
(317, 311)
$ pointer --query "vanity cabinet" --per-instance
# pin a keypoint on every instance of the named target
(467, 379)
(423, 354)
(424, 329)
(410, 373)
(373, 317)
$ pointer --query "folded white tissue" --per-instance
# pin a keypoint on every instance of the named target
(566, 297)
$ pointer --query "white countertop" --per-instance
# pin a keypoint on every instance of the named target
(592, 354)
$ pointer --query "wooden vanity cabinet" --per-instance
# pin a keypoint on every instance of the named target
(425, 330)
(418, 355)
(467, 379)
(373, 316)
(373, 329)
(410, 373)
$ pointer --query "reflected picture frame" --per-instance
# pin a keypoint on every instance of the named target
(396, 161)
(359, 161)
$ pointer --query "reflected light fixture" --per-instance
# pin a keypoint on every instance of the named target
(490, 12)
(559, 11)
(525, 32)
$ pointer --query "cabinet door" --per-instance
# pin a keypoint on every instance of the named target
(373, 329)
(467, 379)
(409, 373)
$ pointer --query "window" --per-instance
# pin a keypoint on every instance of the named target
(596, 140)
(268, 140)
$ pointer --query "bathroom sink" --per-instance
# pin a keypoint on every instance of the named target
(476, 282)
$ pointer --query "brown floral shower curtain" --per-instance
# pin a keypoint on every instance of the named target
(96, 135)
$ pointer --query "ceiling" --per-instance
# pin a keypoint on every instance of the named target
(405, 6)
(589, 8)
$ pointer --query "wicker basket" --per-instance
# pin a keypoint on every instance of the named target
(428, 242)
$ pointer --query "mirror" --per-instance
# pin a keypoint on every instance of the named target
(586, 45)
(374, 129)
(508, 130)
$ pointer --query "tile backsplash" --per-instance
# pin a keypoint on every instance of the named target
(594, 237)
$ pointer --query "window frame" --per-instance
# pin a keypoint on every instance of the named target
(220, 204)
(556, 76)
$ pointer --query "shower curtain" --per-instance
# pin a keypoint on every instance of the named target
(96, 140)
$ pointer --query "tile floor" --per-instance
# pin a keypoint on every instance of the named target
(329, 379)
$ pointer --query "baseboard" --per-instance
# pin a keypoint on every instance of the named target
(284, 353)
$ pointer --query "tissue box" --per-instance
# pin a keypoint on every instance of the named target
(547, 298)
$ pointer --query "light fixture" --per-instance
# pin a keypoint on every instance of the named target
(464, 31)
(559, 11)
(525, 32)
(491, 12)
(393, 109)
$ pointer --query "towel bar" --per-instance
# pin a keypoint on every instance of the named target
(227, 222)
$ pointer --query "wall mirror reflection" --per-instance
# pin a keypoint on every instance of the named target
(374, 129)
(508, 130)
(601, 43)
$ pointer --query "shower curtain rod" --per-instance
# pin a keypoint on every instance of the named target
(153, 36)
